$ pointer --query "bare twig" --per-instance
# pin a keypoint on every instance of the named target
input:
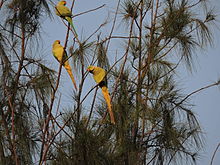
(100, 26)
(119, 37)
(92, 107)
(113, 25)
(88, 11)
(213, 156)
(13, 33)
(196, 91)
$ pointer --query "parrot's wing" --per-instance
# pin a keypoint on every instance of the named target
(103, 83)
(56, 53)
(99, 75)
(57, 58)
(60, 54)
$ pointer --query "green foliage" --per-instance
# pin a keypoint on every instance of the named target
(26, 14)
(176, 19)
(85, 146)
(130, 10)
(102, 58)
(80, 55)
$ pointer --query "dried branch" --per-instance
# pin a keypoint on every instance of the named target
(213, 156)
(113, 25)
(88, 11)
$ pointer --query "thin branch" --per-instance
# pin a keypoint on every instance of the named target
(3, 28)
(213, 156)
(195, 4)
(92, 107)
(113, 25)
(196, 91)
(100, 26)
(139, 28)
(88, 11)
(54, 119)
(119, 37)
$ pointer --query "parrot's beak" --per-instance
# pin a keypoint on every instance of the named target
(64, 2)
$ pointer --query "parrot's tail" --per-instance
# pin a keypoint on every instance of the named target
(108, 101)
(69, 70)
(69, 19)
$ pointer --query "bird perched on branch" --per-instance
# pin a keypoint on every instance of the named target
(60, 54)
(65, 13)
(99, 76)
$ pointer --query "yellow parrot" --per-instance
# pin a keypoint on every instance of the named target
(65, 13)
(60, 54)
(99, 76)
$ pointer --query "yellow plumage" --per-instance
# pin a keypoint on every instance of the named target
(99, 76)
(62, 10)
(61, 55)
(65, 13)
